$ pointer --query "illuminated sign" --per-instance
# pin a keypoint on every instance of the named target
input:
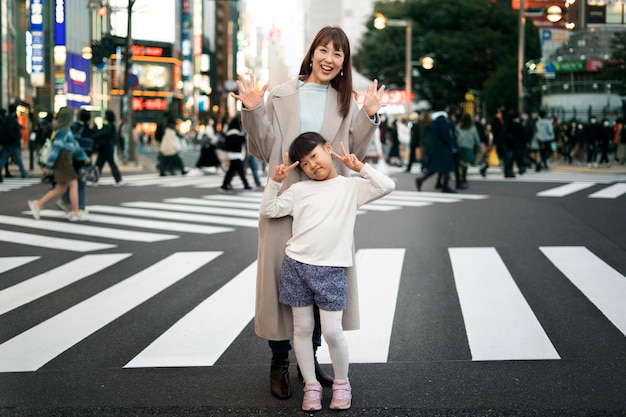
(77, 80)
(141, 104)
(59, 22)
(141, 50)
(36, 29)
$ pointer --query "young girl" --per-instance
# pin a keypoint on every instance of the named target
(65, 149)
(319, 251)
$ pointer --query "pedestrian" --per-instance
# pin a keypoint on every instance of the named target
(442, 147)
(545, 136)
(619, 138)
(414, 145)
(497, 126)
(253, 163)
(64, 150)
(83, 133)
(11, 141)
(105, 140)
(393, 139)
(169, 148)
(316, 256)
(591, 136)
(235, 147)
(468, 140)
(321, 100)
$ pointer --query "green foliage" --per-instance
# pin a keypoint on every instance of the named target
(474, 44)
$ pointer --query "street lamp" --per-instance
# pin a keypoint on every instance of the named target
(380, 22)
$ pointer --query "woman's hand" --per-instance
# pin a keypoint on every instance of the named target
(248, 94)
(281, 171)
(349, 160)
(373, 100)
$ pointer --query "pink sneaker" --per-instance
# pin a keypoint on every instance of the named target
(342, 396)
(312, 397)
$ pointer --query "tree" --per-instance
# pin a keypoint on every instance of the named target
(473, 42)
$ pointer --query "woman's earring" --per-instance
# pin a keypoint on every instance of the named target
(341, 73)
(310, 64)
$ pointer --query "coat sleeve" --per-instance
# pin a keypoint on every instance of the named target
(362, 131)
(260, 134)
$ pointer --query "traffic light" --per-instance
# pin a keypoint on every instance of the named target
(96, 54)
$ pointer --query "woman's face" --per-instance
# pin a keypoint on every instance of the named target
(326, 64)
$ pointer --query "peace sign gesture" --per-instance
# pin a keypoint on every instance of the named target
(248, 93)
(281, 171)
(349, 160)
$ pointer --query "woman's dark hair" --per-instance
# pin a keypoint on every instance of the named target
(304, 144)
(109, 116)
(466, 121)
(341, 83)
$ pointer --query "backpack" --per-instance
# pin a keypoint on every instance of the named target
(85, 142)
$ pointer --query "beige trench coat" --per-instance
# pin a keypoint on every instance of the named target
(271, 127)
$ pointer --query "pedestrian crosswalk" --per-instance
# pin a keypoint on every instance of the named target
(498, 320)
(153, 221)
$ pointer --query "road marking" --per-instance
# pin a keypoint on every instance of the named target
(614, 191)
(498, 321)
(174, 215)
(566, 189)
(379, 272)
(59, 243)
(55, 279)
(252, 212)
(84, 229)
(153, 224)
(8, 263)
(203, 202)
(194, 340)
(35, 347)
(601, 284)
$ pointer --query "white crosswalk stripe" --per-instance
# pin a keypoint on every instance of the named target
(499, 322)
(500, 325)
(33, 348)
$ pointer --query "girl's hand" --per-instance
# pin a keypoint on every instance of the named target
(281, 171)
(373, 99)
(349, 160)
(248, 93)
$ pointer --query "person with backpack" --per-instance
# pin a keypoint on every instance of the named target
(106, 139)
(83, 133)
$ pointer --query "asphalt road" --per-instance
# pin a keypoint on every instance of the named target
(506, 300)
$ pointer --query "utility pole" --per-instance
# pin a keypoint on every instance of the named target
(126, 108)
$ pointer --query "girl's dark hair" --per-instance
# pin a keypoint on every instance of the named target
(304, 144)
(341, 83)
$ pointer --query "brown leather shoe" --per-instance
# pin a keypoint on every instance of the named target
(279, 376)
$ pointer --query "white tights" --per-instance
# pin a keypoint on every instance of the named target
(332, 329)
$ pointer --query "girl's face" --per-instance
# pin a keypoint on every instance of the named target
(325, 64)
(318, 164)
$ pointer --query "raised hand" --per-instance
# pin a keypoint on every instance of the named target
(373, 99)
(349, 160)
(281, 171)
(248, 94)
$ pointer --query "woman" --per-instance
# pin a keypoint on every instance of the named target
(468, 140)
(169, 148)
(320, 100)
(64, 151)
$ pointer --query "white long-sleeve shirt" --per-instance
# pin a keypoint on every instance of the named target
(324, 214)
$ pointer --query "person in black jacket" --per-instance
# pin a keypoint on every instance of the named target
(11, 141)
(106, 139)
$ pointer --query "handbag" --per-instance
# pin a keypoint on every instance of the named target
(44, 152)
(89, 173)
